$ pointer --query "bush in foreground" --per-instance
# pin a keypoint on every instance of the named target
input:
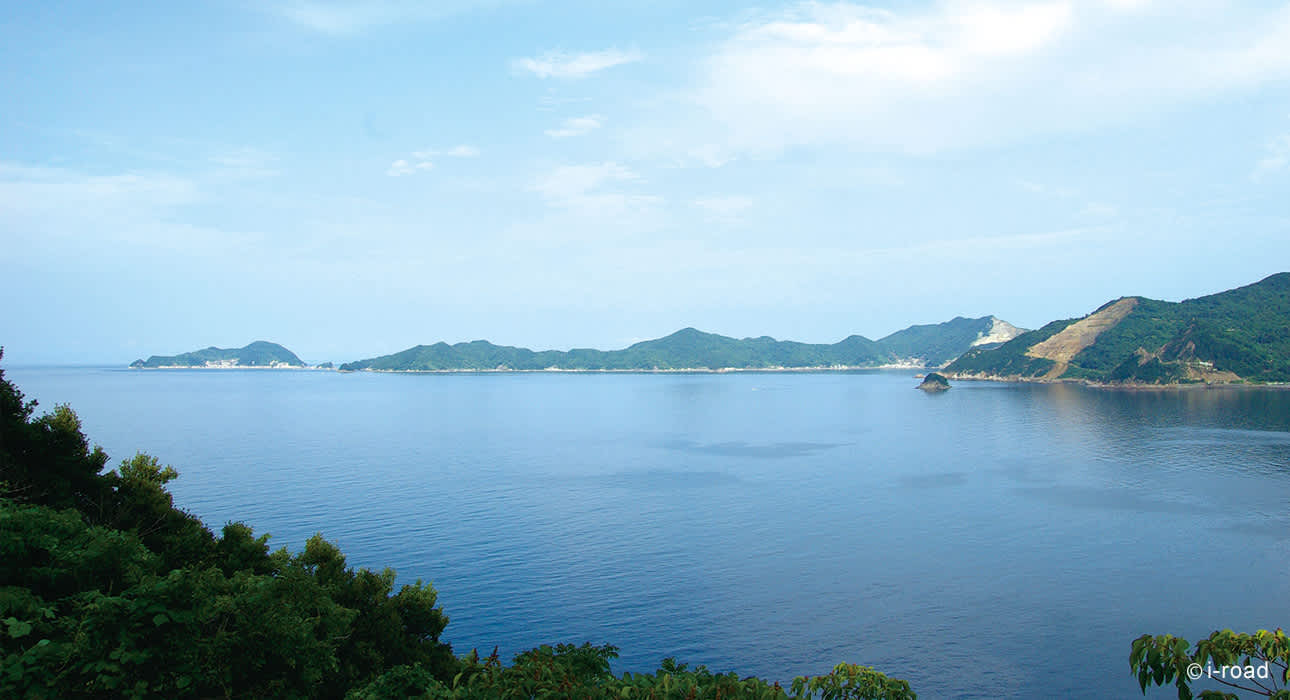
(1256, 663)
(582, 673)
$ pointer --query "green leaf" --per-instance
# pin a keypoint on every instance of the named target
(160, 619)
(17, 628)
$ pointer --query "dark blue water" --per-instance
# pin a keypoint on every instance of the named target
(994, 541)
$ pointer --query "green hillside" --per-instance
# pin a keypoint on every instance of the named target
(1009, 359)
(258, 354)
(1239, 335)
(693, 349)
(937, 343)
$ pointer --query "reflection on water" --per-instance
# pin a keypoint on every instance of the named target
(772, 524)
(737, 449)
(668, 479)
(1113, 499)
(931, 481)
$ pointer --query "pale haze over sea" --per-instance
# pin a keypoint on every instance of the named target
(353, 178)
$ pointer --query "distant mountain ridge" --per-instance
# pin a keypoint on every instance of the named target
(927, 345)
(1240, 335)
(260, 353)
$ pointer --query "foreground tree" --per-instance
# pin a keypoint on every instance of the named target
(582, 673)
(108, 589)
(1256, 663)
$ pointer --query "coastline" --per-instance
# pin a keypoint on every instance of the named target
(686, 370)
(310, 368)
(553, 370)
(1113, 386)
(763, 370)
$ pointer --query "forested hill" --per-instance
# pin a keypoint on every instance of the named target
(930, 345)
(1241, 335)
(258, 354)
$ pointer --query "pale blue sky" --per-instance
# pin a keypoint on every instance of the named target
(353, 178)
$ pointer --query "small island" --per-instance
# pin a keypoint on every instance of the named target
(260, 354)
(934, 383)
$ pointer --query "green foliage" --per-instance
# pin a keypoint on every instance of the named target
(139, 503)
(1245, 331)
(934, 382)
(1150, 325)
(107, 589)
(851, 682)
(1142, 369)
(937, 343)
(258, 354)
(583, 673)
(391, 629)
(1010, 359)
(96, 611)
(47, 460)
(685, 349)
(1224, 349)
(1256, 663)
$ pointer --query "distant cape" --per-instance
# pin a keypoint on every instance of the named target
(690, 349)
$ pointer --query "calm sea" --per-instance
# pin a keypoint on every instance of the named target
(996, 541)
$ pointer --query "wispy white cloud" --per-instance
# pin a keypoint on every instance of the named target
(593, 189)
(1276, 158)
(1100, 209)
(576, 126)
(981, 246)
(572, 180)
(710, 155)
(1127, 5)
(403, 167)
(553, 101)
(970, 73)
(560, 64)
(42, 190)
(724, 209)
(1092, 208)
(420, 161)
(461, 151)
(347, 17)
(46, 210)
(1059, 191)
(245, 163)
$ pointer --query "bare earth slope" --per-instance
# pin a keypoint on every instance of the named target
(1240, 335)
(1000, 332)
(1064, 346)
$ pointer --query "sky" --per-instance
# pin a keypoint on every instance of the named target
(350, 179)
